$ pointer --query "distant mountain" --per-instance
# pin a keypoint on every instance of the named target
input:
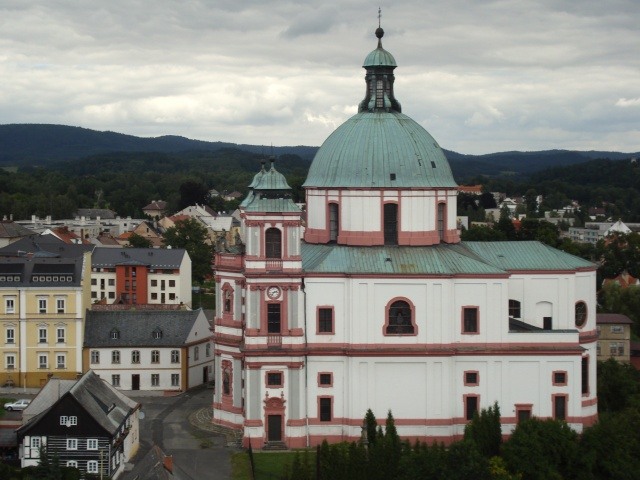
(42, 144)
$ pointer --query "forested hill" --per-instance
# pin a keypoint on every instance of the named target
(41, 145)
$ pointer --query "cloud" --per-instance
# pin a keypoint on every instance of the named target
(480, 76)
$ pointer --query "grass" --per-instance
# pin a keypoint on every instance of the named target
(240, 466)
(2, 402)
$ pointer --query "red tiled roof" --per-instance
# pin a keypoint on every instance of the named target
(612, 318)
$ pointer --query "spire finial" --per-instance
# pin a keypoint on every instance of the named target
(379, 30)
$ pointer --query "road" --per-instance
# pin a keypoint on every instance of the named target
(198, 454)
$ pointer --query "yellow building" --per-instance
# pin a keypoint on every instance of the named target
(42, 311)
(614, 336)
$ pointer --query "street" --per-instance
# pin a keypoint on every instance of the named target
(172, 424)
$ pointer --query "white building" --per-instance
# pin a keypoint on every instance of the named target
(141, 276)
(378, 304)
(150, 349)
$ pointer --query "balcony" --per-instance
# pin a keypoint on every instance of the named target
(273, 265)
(274, 341)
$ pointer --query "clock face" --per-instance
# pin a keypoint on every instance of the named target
(273, 292)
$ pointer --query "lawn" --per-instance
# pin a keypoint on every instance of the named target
(269, 465)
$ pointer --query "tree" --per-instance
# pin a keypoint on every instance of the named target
(618, 386)
(192, 236)
(543, 231)
(138, 241)
(371, 426)
(485, 431)
(542, 450)
(615, 299)
(192, 193)
(505, 225)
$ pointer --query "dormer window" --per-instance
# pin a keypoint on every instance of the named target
(157, 333)
(115, 334)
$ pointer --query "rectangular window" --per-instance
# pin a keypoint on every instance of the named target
(514, 309)
(274, 379)
(559, 378)
(175, 356)
(11, 335)
(42, 335)
(585, 375)
(135, 356)
(115, 356)
(10, 362)
(95, 356)
(92, 466)
(112, 282)
(172, 296)
(115, 380)
(325, 320)
(155, 379)
(60, 305)
(470, 406)
(325, 379)
(172, 283)
(92, 444)
(470, 320)
(94, 281)
(325, 407)
(9, 305)
(61, 361)
(471, 379)
(72, 443)
(35, 442)
(155, 356)
(560, 407)
(617, 329)
(547, 323)
(43, 360)
(60, 335)
(154, 283)
(42, 305)
(154, 296)
(175, 379)
(523, 412)
(273, 318)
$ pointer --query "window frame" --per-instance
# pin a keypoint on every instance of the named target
(91, 441)
(272, 245)
(581, 313)
(515, 306)
(175, 356)
(272, 373)
(389, 312)
(43, 335)
(325, 406)
(522, 408)
(115, 380)
(466, 401)
(43, 365)
(115, 357)
(61, 335)
(464, 320)
(468, 382)
(42, 305)
(321, 323)
(94, 357)
(329, 384)
(10, 338)
(10, 305)
(175, 379)
(61, 305)
(585, 373)
(10, 365)
(155, 379)
(554, 398)
(92, 466)
(61, 365)
(155, 356)
(72, 444)
(135, 357)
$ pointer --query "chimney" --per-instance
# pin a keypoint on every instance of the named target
(168, 463)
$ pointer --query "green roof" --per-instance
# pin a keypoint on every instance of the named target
(469, 258)
(379, 58)
(268, 205)
(380, 149)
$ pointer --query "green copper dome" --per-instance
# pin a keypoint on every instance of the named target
(379, 57)
(380, 149)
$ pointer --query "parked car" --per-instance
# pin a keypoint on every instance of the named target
(17, 405)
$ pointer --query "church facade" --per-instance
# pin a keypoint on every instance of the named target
(374, 302)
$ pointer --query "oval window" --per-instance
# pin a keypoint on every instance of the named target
(581, 314)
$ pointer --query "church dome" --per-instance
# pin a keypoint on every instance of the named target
(380, 149)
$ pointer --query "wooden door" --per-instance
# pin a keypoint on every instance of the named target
(274, 424)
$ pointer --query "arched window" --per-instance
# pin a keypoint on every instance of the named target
(441, 222)
(273, 243)
(400, 319)
(581, 314)
(334, 222)
(227, 299)
(390, 224)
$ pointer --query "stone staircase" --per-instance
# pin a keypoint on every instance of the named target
(272, 446)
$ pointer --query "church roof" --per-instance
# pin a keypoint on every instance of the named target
(380, 149)
(476, 258)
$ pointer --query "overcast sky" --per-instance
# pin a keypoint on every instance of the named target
(480, 76)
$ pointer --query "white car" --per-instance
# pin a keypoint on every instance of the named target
(17, 405)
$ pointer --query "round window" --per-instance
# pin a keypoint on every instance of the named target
(581, 314)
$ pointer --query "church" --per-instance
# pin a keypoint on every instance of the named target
(369, 299)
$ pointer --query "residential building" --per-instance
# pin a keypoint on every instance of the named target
(149, 350)
(11, 232)
(42, 315)
(146, 230)
(141, 276)
(614, 336)
(378, 304)
(156, 209)
(85, 424)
